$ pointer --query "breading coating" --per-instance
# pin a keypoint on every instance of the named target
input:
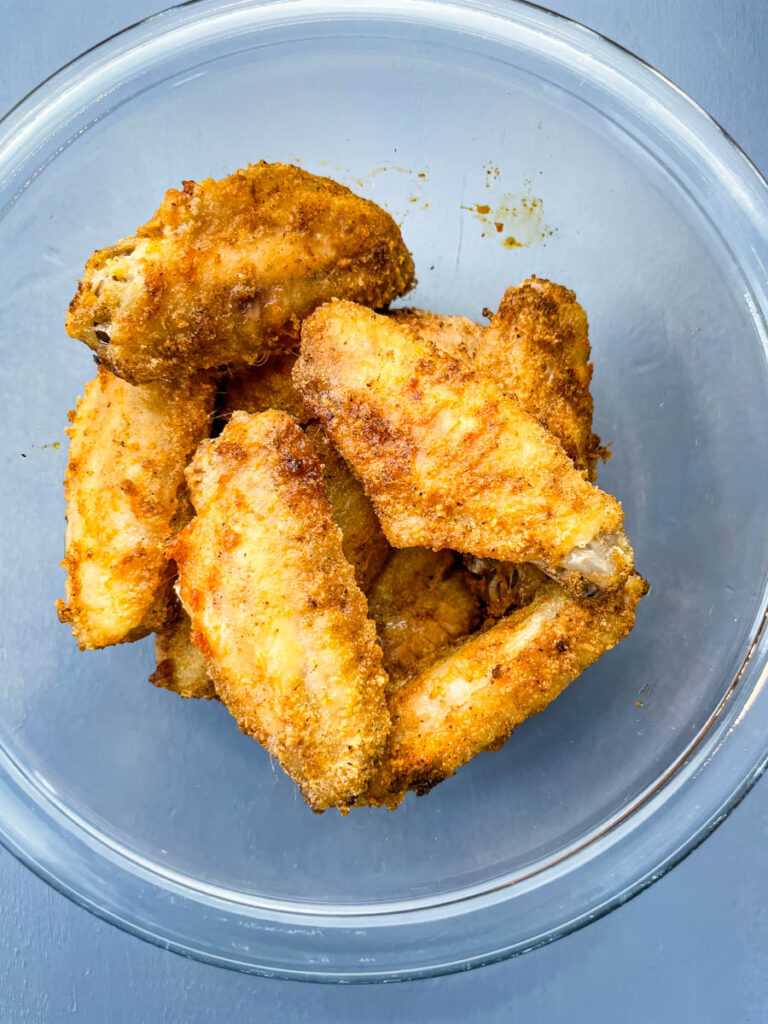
(449, 460)
(421, 603)
(226, 270)
(276, 611)
(537, 349)
(125, 494)
(471, 699)
(455, 335)
(180, 665)
(258, 388)
(267, 386)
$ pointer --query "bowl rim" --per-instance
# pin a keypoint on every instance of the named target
(725, 720)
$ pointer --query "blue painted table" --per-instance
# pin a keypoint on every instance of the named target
(692, 948)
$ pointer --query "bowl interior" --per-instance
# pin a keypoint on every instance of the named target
(435, 127)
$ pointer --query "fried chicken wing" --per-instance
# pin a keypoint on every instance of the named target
(180, 665)
(537, 348)
(449, 460)
(125, 497)
(226, 270)
(456, 335)
(471, 699)
(421, 603)
(276, 611)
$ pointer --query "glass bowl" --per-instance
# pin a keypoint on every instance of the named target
(156, 813)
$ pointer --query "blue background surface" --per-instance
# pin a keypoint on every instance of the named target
(693, 947)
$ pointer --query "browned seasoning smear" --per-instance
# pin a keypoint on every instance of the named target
(520, 212)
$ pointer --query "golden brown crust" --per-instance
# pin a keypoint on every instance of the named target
(421, 602)
(125, 496)
(226, 270)
(449, 460)
(471, 699)
(276, 611)
(455, 335)
(537, 348)
(180, 665)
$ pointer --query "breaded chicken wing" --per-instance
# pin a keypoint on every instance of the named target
(471, 699)
(226, 270)
(537, 348)
(421, 603)
(456, 335)
(180, 665)
(125, 497)
(449, 460)
(276, 611)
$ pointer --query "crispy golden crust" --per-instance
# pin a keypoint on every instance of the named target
(362, 540)
(180, 665)
(276, 611)
(268, 386)
(226, 270)
(125, 497)
(449, 460)
(471, 699)
(455, 335)
(537, 348)
(421, 603)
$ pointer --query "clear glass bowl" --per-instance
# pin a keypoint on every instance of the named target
(156, 813)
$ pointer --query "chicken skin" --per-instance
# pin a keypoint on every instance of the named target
(126, 497)
(449, 460)
(421, 602)
(226, 270)
(276, 611)
(471, 699)
(537, 348)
